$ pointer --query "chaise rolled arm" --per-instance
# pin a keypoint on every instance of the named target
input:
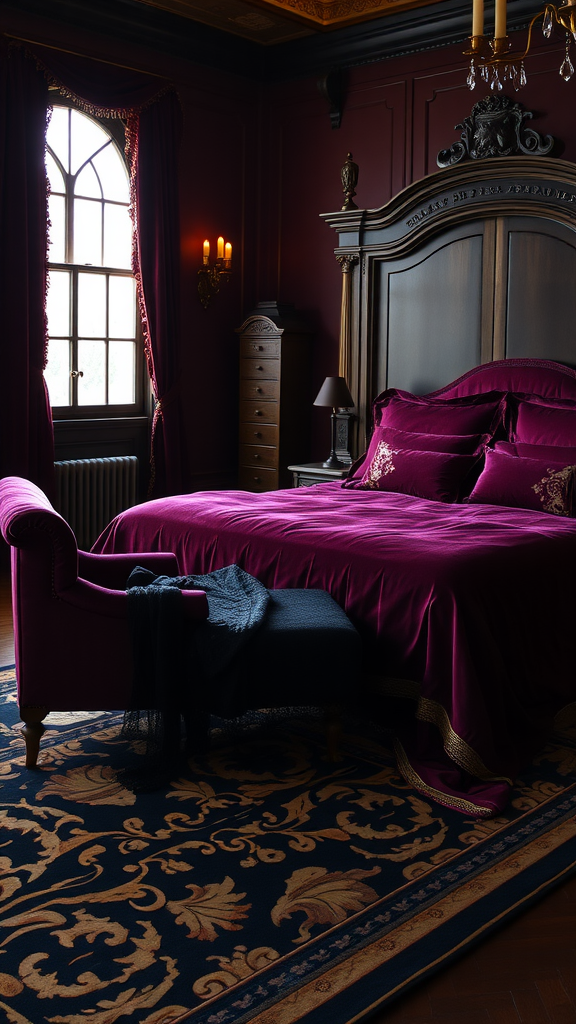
(73, 644)
(95, 600)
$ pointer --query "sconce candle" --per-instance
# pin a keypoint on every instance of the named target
(500, 20)
(220, 248)
(478, 18)
(205, 251)
(228, 251)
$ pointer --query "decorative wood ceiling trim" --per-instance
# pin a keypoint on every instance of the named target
(331, 14)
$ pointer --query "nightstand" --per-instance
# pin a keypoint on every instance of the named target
(315, 473)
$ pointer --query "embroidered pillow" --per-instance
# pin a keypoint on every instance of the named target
(455, 444)
(542, 421)
(552, 452)
(538, 484)
(474, 414)
(434, 475)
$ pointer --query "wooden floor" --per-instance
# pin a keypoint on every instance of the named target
(524, 974)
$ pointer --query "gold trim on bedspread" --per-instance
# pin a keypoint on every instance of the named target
(412, 777)
(431, 711)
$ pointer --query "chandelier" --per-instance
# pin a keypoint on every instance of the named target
(492, 62)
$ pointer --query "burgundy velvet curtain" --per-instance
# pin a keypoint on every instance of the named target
(152, 112)
(26, 445)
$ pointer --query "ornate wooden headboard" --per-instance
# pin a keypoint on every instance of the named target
(473, 263)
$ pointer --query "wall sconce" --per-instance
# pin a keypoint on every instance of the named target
(490, 59)
(210, 276)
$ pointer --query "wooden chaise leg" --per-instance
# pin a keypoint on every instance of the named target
(32, 731)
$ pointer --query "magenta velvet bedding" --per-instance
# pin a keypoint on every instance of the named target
(469, 608)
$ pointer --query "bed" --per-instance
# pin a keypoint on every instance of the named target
(452, 544)
(465, 604)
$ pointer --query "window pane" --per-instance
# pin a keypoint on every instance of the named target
(117, 237)
(57, 135)
(87, 138)
(122, 307)
(113, 174)
(121, 372)
(54, 173)
(92, 362)
(87, 183)
(58, 302)
(57, 372)
(57, 229)
(92, 305)
(87, 232)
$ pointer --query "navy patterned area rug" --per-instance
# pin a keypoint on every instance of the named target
(262, 883)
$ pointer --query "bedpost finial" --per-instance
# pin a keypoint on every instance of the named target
(349, 176)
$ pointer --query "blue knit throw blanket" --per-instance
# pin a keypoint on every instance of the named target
(172, 656)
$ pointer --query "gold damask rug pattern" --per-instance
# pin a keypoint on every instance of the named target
(263, 883)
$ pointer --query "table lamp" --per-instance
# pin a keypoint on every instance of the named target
(334, 393)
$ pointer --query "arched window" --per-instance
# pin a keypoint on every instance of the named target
(94, 347)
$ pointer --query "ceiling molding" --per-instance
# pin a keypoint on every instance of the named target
(399, 34)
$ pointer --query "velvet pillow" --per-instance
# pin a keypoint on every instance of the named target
(525, 483)
(542, 421)
(474, 414)
(454, 444)
(434, 475)
(549, 452)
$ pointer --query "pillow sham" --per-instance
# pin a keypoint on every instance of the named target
(437, 476)
(550, 452)
(537, 484)
(474, 414)
(453, 444)
(541, 421)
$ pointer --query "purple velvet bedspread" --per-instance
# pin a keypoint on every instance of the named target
(471, 609)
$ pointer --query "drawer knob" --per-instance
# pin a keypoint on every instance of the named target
(259, 367)
(257, 433)
(257, 348)
(257, 412)
(259, 390)
(257, 479)
(257, 456)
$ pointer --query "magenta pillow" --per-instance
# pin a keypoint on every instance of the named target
(455, 444)
(474, 414)
(525, 483)
(551, 452)
(434, 475)
(542, 421)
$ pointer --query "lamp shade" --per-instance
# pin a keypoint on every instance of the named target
(334, 393)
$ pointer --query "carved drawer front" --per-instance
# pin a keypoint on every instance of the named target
(260, 369)
(260, 389)
(250, 479)
(259, 433)
(258, 455)
(259, 412)
(250, 347)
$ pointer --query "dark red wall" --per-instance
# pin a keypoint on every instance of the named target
(259, 163)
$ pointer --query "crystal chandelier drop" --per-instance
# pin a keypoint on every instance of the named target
(490, 59)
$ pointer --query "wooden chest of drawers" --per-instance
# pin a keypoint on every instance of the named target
(275, 396)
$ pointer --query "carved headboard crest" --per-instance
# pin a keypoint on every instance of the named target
(495, 127)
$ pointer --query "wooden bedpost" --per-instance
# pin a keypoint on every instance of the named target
(345, 362)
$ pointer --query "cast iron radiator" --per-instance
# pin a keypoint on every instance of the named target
(90, 492)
